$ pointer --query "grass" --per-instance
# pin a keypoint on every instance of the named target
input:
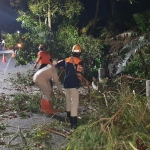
(122, 125)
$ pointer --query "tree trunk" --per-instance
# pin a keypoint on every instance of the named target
(49, 16)
(113, 7)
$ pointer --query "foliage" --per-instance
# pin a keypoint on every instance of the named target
(59, 10)
(130, 44)
(4, 103)
(12, 40)
(139, 66)
(36, 19)
(23, 103)
(141, 22)
(59, 102)
(39, 134)
(68, 36)
(2, 126)
(127, 54)
(117, 126)
(23, 79)
(39, 19)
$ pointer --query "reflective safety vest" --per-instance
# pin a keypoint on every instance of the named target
(72, 65)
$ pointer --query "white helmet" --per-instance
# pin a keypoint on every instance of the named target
(76, 49)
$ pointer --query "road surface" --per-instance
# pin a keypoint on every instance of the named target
(9, 66)
(7, 88)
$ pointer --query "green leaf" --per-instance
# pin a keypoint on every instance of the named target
(141, 22)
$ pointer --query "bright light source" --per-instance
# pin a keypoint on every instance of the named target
(19, 45)
(18, 32)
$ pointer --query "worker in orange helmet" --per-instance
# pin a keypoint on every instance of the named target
(43, 57)
(73, 67)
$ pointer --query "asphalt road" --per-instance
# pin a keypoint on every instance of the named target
(9, 66)
(8, 69)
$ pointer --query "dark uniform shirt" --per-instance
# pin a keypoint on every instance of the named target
(70, 78)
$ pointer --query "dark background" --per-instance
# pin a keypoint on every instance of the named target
(8, 17)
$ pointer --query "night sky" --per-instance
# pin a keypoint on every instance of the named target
(6, 12)
(8, 17)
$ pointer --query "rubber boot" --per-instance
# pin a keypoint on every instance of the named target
(73, 122)
(46, 107)
(68, 116)
(43, 106)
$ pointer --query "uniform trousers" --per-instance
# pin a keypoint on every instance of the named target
(72, 100)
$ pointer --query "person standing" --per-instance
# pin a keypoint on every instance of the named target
(41, 79)
(73, 72)
(43, 57)
(3, 44)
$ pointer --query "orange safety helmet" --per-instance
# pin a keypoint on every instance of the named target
(76, 49)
